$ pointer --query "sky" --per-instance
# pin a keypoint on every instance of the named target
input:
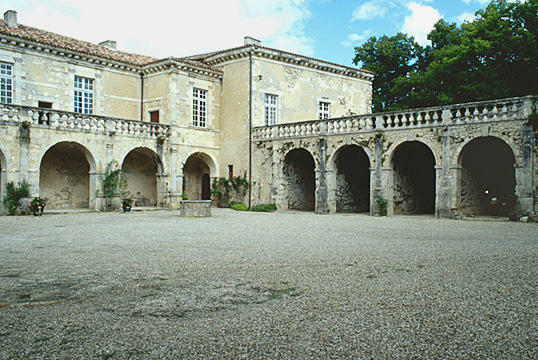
(323, 29)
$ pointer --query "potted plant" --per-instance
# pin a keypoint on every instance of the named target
(37, 205)
(127, 203)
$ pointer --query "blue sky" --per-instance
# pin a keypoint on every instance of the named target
(324, 29)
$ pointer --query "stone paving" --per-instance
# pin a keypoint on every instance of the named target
(292, 285)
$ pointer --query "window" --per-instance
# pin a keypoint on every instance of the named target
(199, 107)
(6, 83)
(270, 104)
(83, 95)
(154, 116)
(324, 110)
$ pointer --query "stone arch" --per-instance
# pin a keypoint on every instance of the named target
(64, 175)
(141, 167)
(197, 172)
(414, 178)
(487, 180)
(352, 174)
(299, 176)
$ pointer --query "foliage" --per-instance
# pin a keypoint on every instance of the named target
(382, 204)
(264, 208)
(127, 200)
(113, 181)
(38, 203)
(184, 197)
(14, 194)
(493, 56)
(389, 58)
(223, 189)
(239, 207)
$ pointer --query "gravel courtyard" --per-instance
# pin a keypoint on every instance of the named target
(285, 285)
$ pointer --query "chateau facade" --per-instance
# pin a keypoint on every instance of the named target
(300, 127)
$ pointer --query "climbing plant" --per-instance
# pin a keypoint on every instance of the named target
(225, 189)
(113, 181)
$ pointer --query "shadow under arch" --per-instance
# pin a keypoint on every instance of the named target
(352, 172)
(299, 175)
(487, 180)
(64, 175)
(414, 178)
(197, 172)
(140, 168)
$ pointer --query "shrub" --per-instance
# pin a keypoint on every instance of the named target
(239, 207)
(264, 207)
(14, 194)
(382, 203)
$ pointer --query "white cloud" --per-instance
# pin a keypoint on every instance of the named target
(356, 39)
(420, 22)
(165, 28)
(369, 11)
(465, 17)
(481, 2)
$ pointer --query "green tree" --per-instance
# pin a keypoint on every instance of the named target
(389, 58)
(493, 56)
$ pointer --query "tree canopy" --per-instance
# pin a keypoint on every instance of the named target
(493, 56)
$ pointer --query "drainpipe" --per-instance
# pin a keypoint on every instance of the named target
(141, 96)
(250, 130)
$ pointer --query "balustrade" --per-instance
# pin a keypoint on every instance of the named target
(459, 114)
(61, 120)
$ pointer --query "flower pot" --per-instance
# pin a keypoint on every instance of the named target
(127, 207)
(38, 210)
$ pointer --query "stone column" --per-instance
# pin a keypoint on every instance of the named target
(322, 206)
(524, 173)
(379, 186)
(454, 185)
(278, 190)
(331, 190)
(442, 172)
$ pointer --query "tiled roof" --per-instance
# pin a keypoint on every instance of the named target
(67, 43)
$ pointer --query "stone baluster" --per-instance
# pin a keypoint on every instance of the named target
(494, 112)
(15, 117)
(5, 115)
(55, 121)
(435, 117)
(485, 113)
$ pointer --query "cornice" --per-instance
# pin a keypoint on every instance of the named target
(223, 57)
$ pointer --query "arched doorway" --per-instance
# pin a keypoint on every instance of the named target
(64, 176)
(140, 168)
(413, 165)
(299, 174)
(197, 177)
(487, 181)
(352, 180)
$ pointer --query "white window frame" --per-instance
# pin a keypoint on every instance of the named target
(270, 104)
(324, 110)
(199, 107)
(84, 95)
(6, 83)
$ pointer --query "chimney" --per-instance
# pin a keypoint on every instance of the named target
(111, 44)
(251, 41)
(10, 17)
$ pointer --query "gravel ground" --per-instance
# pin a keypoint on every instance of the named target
(286, 285)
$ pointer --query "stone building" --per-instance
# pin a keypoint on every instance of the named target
(300, 127)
